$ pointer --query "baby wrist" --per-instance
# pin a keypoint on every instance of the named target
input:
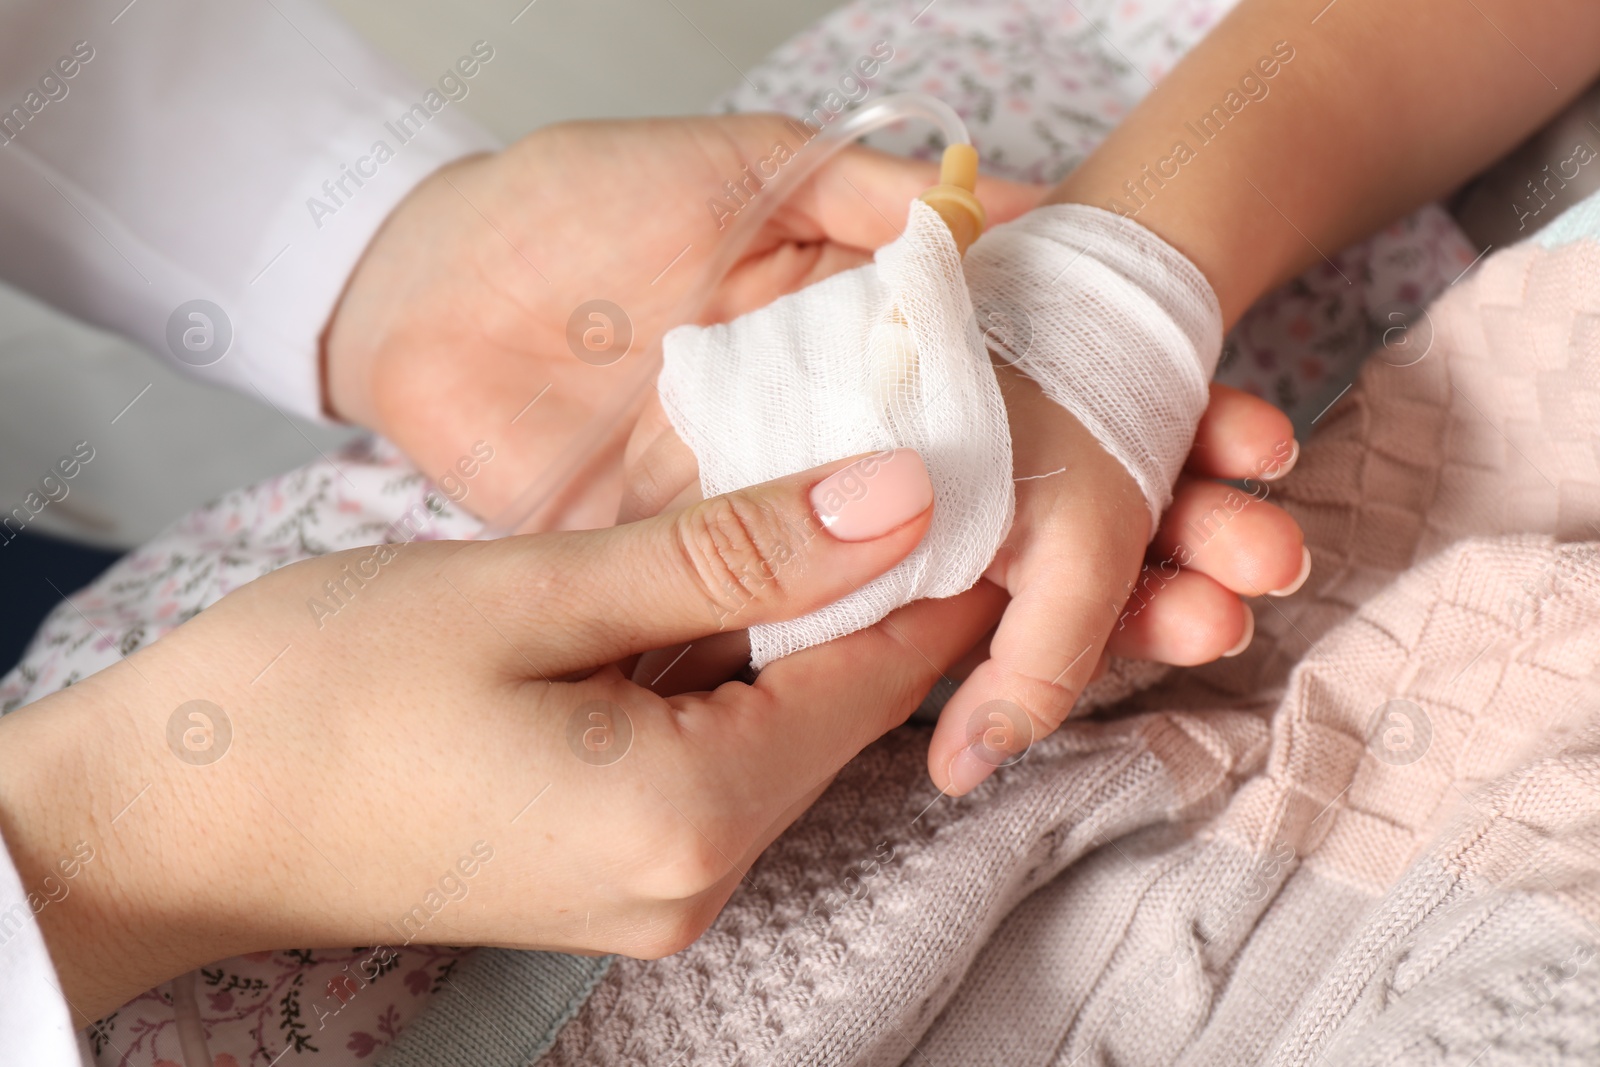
(1114, 324)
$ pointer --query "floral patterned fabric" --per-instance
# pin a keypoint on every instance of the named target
(1039, 83)
(294, 1006)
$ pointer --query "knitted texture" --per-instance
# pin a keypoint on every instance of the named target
(1406, 912)
(1372, 838)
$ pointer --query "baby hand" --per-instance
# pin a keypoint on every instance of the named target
(1103, 392)
(1072, 561)
(1084, 586)
(1105, 374)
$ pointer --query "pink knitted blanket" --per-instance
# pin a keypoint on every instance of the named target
(1374, 838)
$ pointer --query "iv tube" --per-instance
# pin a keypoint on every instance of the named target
(609, 427)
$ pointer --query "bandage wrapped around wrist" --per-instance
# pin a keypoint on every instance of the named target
(1115, 325)
(1124, 333)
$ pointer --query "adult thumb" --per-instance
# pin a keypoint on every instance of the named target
(767, 553)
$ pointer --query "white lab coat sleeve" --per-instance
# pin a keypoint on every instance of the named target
(203, 175)
(35, 1024)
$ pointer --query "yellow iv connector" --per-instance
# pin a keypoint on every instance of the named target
(954, 198)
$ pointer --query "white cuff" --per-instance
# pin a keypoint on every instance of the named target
(1116, 326)
(35, 1023)
(184, 159)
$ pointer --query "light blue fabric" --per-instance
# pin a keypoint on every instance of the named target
(1577, 223)
(502, 1008)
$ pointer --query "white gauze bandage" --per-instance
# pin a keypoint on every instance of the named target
(884, 356)
(1115, 325)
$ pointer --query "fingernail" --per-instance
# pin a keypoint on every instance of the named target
(1286, 466)
(969, 770)
(1299, 579)
(1249, 634)
(873, 495)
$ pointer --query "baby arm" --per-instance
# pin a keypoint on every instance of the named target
(1370, 110)
(1380, 109)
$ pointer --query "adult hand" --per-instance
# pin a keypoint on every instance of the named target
(450, 759)
(1087, 581)
(1086, 587)
(469, 302)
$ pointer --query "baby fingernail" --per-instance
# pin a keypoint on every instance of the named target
(1299, 579)
(1249, 634)
(873, 495)
(970, 769)
(1286, 466)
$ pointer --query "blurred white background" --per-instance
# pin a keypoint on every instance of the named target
(183, 443)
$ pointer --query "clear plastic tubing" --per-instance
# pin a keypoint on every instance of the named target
(186, 1015)
(607, 431)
